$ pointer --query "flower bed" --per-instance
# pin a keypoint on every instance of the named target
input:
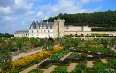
(58, 55)
(1, 44)
(74, 55)
(111, 64)
(36, 71)
(106, 71)
(80, 68)
(66, 61)
(22, 63)
(102, 50)
(45, 64)
(99, 67)
(60, 69)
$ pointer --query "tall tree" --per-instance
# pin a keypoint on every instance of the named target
(5, 59)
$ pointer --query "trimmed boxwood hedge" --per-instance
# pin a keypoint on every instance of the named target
(36, 71)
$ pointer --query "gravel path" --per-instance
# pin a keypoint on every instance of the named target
(65, 56)
(32, 67)
(104, 60)
(90, 56)
(90, 64)
(51, 68)
(113, 49)
(25, 54)
(71, 67)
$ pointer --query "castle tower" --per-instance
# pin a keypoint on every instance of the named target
(59, 28)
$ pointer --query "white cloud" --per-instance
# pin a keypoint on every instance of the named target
(23, 12)
(8, 19)
(5, 10)
(40, 15)
(67, 6)
(23, 23)
(45, 18)
(63, 6)
(88, 1)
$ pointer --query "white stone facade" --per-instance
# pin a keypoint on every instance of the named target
(56, 29)
(21, 33)
(41, 33)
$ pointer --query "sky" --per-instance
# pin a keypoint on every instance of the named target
(19, 14)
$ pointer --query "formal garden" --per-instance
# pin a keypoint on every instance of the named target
(61, 55)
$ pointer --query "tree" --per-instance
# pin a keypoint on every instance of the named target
(34, 42)
(104, 42)
(5, 59)
(96, 19)
(113, 42)
(75, 42)
(50, 43)
(19, 43)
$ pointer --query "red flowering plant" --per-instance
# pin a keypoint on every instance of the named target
(1, 44)
(14, 45)
(55, 43)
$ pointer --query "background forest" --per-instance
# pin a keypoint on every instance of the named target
(101, 21)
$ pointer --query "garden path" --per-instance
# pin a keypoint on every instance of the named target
(104, 60)
(90, 56)
(113, 49)
(90, 64)
(65, 56)
(25, 54)
(32, 67)
(71, 67)
(51, 68)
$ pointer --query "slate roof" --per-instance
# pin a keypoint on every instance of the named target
(24, 31)
(35, 25)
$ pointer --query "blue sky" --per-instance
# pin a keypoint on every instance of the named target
(18, 14)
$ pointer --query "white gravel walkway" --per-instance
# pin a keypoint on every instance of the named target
(51, 68)
(32, 67)
(71, 67)
(90, 64)
(24, 54)
(113, 49)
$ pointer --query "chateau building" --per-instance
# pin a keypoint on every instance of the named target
(56, 29)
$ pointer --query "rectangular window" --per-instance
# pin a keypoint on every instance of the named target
(67, 27)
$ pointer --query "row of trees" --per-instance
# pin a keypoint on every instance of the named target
(21, 44)
(96, 19)
(6, 35)
(104, 29)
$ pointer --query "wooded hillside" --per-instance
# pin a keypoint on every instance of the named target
(105, 20)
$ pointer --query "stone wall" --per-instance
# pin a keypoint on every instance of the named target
(88, 33)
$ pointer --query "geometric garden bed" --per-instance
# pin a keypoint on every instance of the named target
(81, 57)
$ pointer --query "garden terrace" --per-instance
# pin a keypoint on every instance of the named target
(77, 53)
(81, 60)
(25, 62)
